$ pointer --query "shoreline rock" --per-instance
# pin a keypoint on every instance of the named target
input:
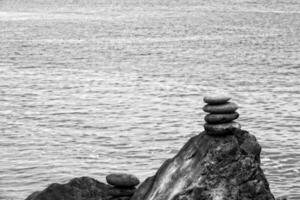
(209, 168)
(220, 163)
(83, 188)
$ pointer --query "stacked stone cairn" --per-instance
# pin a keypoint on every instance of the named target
(123, 185)
(222, 113)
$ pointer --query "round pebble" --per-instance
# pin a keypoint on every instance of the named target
(228, 107)
(215, 100)
(220, 118)
(221, 129)
(122, 180)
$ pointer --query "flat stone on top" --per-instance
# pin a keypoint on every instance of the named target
(220, 118)
(215, 100)
(221, 129)
(228, 107)
(122, 180)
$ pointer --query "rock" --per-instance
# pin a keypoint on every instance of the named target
(33, 196)
(144, 187)
(221, 109)
(210, 168)
(215, 100)
(122, 180)
(83, 188)
(221, 129)
(282, 198)
(120, 198)
(250, 146)
(121, 192)
(221, 118)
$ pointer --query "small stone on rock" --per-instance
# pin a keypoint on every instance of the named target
(221, 109)
(122, 180)
(214, 100)
(221, 118)
(221, 129)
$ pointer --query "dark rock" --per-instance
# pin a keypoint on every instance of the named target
(33, 195)
(144, 187)
(83, 188)
(221, 109)
(221, 129)
(282, 198)
(122, 180)
(120, 198)
(221, 118)
(210, 168)
(215, 100)
(119, 192)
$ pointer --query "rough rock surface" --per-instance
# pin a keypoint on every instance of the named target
(84, 188)
(210, 168)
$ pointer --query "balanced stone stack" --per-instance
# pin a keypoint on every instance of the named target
(123, 185)
(222, 113)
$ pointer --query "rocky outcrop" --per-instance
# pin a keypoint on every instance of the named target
(221, 163)
(210, 167)
(84, 188)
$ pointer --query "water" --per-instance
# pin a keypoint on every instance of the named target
(93, 87)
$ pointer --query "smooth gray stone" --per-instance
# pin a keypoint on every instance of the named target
(221, 129)
(221, 118)
(215, 100)
(122, 180)
(228, 107)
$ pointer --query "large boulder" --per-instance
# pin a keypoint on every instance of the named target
(210, 167)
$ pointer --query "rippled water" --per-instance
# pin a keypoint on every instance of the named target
(91, 87)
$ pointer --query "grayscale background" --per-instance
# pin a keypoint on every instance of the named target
(89, 87)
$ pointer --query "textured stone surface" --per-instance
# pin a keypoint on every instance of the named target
(282, 198)
(122, 180)
(221, 109)
(121, 192)
(214, 100)
(221, 118)
(221, 129)
(210, 168)
(84, 188)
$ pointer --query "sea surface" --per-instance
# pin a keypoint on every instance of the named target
(90, 87)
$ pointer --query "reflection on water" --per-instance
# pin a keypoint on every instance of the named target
(92, 87)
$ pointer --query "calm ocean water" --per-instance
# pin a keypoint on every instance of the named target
(89, 87)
